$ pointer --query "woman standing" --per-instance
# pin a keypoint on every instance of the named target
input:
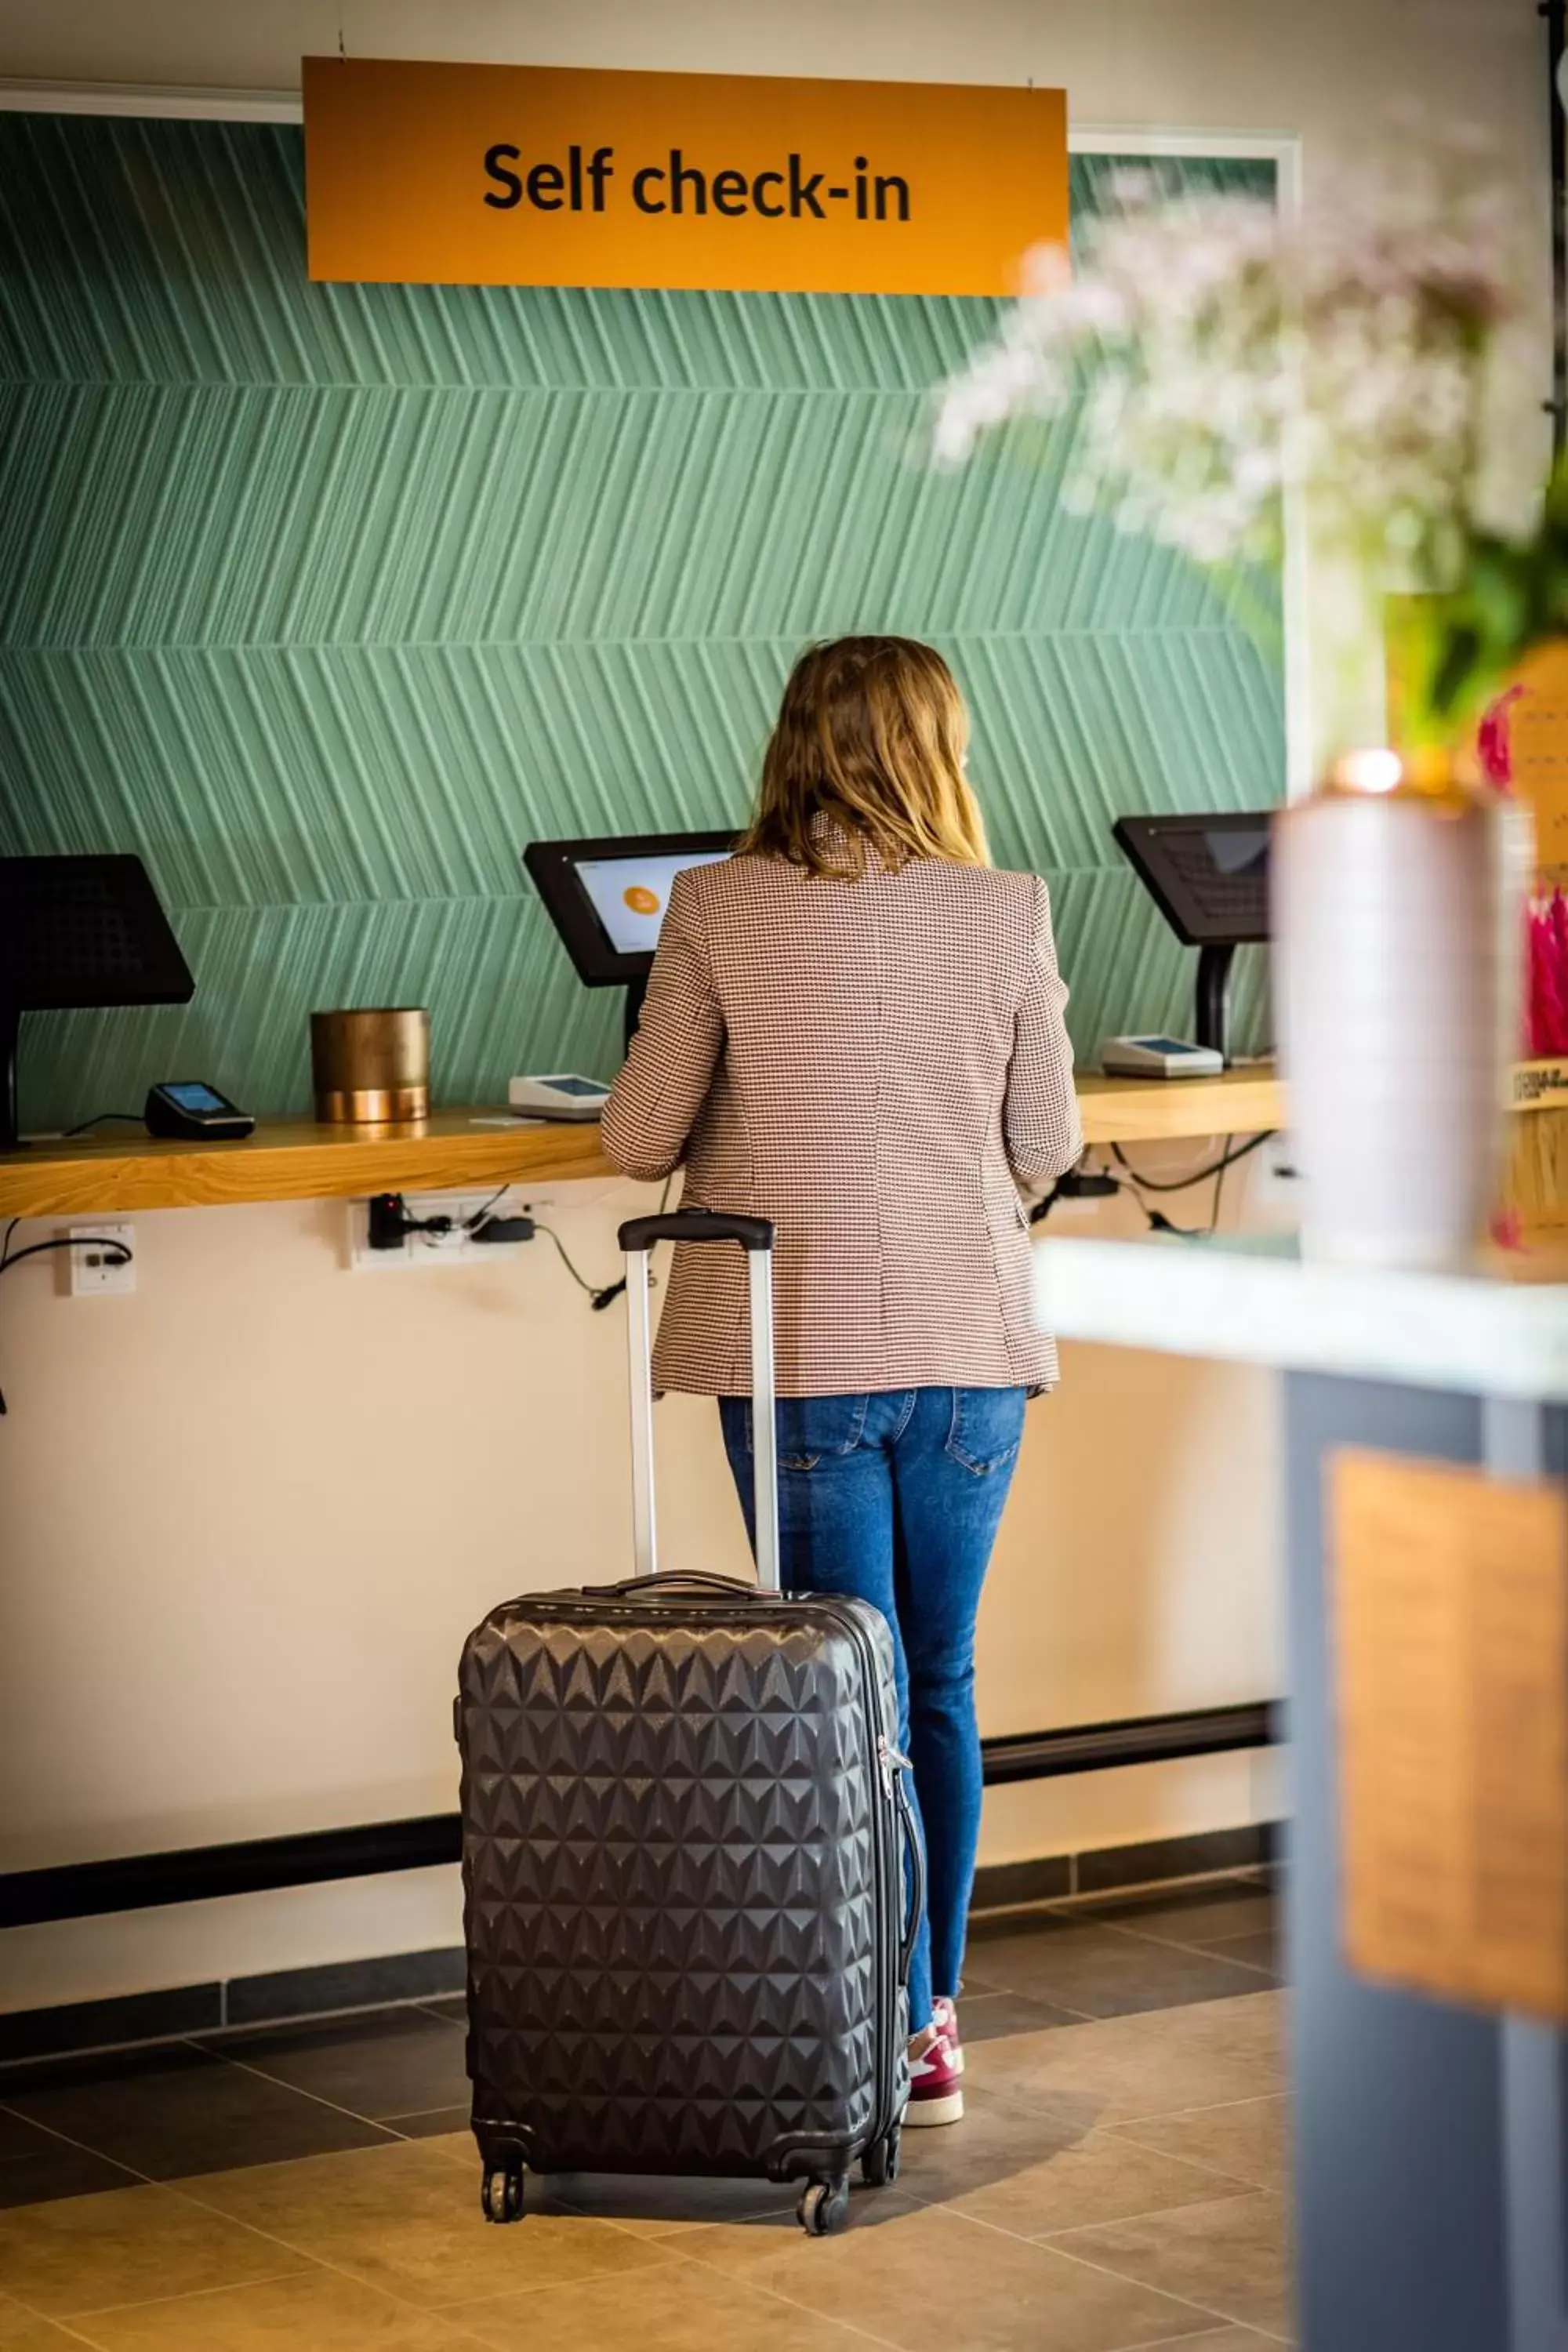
(854, 1027)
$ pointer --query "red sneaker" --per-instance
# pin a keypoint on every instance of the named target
(936, 2093)
(945, 2017)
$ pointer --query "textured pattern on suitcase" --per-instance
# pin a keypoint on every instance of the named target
(677, 1853)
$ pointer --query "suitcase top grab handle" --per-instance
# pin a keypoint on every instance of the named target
(677, 1579)
(697, 1225)
(755, 1236)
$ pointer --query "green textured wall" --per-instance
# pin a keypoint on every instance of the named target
(326, 599)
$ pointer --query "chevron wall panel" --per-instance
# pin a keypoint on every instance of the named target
(326, 599)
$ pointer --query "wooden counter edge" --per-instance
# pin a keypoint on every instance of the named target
(1170, 1110)
(295, 1160)
(286, 1160)
(279, 1165)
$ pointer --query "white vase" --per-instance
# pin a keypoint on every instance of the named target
(1398, 922)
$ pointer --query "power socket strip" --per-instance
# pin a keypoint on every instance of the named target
(456, 1248)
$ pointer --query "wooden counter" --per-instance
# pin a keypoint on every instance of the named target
(289, 1160)
(1176, 1111)
(295, 1160)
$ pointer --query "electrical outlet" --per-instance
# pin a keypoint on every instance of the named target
(95, 1272)
(454, 1248)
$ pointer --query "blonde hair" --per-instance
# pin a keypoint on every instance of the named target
(870, 736)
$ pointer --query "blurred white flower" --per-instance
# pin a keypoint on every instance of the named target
(1213, 356)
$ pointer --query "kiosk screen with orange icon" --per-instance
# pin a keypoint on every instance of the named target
(629, 895)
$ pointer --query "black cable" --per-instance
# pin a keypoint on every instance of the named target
(580, 1280)
(122, 1256)
(600, 1299)
(132, 1118)
(1200, 1176)
(470, 1224)
(1160, 1224)
(481, 1215)
(439, 1224)
(5, 1262)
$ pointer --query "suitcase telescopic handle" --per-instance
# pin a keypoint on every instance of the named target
(755, 1236)
(697, 1225)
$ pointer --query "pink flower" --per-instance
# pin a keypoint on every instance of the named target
(1548, 986)
(1494, 742)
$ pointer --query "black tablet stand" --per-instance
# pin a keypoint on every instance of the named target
(77, 933)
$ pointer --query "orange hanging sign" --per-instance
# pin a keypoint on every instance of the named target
(535, 175)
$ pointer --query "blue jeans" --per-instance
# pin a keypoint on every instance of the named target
(896, 1498)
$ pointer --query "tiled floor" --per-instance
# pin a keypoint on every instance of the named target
(1119, 2181)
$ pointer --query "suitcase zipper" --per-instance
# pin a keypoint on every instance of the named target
(889, 1876)
(893, 1761)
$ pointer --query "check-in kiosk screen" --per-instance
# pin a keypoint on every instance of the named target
(607, 896)
(629, 895)
(1207, 875)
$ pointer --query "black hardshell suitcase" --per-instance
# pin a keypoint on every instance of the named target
(684, 1836)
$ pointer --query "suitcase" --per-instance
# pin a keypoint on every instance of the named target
(687, 1909)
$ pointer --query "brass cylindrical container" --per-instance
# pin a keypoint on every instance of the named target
(371, 1066)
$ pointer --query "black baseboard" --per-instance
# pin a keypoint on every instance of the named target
(199, 2009)
(165, 2016)
(1137, 1739)
(183, 2010)
(196, 1873)
(143, 1882)
(344, 1984)
(1104, 1870)
(1003, 1885)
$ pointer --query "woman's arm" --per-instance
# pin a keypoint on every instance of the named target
(1040, 1120)
(670, 1069)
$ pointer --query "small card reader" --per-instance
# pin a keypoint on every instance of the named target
(1159, 1058)
(191, 1110)
(561, 1097)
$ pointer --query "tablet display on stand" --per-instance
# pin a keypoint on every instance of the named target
(1210, 877)
(607, 899)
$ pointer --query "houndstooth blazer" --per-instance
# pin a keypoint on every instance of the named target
(871, 1064)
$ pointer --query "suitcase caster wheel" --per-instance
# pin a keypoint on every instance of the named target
(823, 2204)
(501, 2193)
(879, 2165)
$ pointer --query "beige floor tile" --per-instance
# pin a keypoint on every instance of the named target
(1114, 2071)
(23, 2331)
(1228, 2339)
(402, 2218)
(316, 2312)
(925, 2280)
(1249, 2141)
(1252, 2030)
(126, 2245)
(1232, 2255)
(1034, 2174)
(681, 2308)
